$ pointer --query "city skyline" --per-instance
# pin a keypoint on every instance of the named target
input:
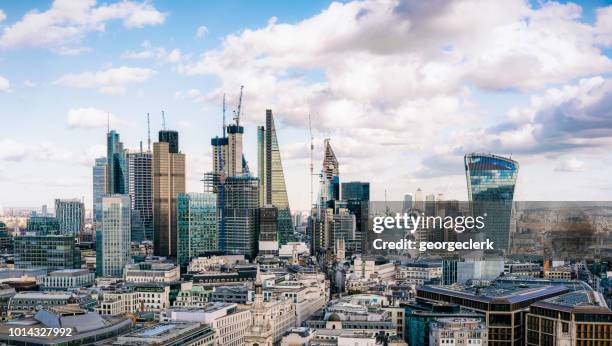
(457, 91)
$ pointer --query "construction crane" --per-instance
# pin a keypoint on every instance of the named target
(223, 115)
(237, 112)
(163, 121)
(311, 159)
(148, 133)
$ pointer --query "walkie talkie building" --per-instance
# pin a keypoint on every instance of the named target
(490, 181)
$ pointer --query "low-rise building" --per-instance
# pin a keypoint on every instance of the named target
(232, 294)
(229, 321)
(458, 331)
(66, 279)
(151, 272)
(193, 296)
(28, 302)
(170, 334)
(562, 272)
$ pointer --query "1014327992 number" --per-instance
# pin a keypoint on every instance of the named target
(40, 332)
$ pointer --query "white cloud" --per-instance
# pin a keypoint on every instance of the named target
(28, 83)
(201, 32)
(5, 85)
(15, 151)
(89, 118)
(2, 16)
(66, 23)
(570, 165)
(158, 53)
(110, 81)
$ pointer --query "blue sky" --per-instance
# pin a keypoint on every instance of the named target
(402, 88)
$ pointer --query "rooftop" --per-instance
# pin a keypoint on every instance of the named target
(577, 301)
(497, 292)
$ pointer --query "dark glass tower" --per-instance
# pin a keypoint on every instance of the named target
(116, 166)
(490, 181)
(357, 197)
(170, 137)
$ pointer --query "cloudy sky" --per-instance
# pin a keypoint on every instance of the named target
(403, 89)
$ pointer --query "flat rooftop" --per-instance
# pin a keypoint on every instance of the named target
(496, 292)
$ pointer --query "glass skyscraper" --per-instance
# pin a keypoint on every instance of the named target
(491, 180)
(99, 188)
(197, 225)
(273, 190)
(116, 166)
(357, 197)
(238, 232)
(70, 214)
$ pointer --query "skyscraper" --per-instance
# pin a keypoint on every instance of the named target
(168, 182)
(43, 225)
(408, 202)
(268, 230)
(272, 178)
(197, 225)
(330, 189)
(490, 181)
(140, 188)
(238, 233)
(116, 167)
(99, 188)
(113, 239)
(357, 197)
(233, 160)
(172, 138)
(219, 155)
(70, 214)
(321, 225)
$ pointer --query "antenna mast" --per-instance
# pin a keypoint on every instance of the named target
(237, 113)
(163, 121)
(148, 132)
(107, 122)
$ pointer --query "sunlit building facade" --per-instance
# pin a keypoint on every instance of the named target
(197, 225)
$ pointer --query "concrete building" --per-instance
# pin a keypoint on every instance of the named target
(66, 279)
(113, 239)
(229, 321)
(70, 214)
(193, 296)
(170, 334)
(417, 273)
(168, 182)
(151, 272)
(458, 331)
(232, 294)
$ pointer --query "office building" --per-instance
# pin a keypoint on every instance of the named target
(234, 150)
(43, 225)
(168, 182)
(330, 188)
(170, 137)
(170, 334)
(458, 331)
(240, 222)
(268, 225)
(144, 272)
(273, 189)
(140, 189)
(116, 170)
(491, 180)
(6, 240)
(408, 202)
(357, 197)
(70, 215)
(113, 238)
(219, 155)
(197, 225)
(577, 318)
(52, 252)
(99, 188)
(66, 279)
(502, 305)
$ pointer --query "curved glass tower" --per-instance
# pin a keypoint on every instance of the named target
(490, 181)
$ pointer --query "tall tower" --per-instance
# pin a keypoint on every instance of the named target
(70, 214)
(240, 212)
(168, 182)
(197, 225)
(234, 150)
(140, 188)
(113, 239)
(272, 178)
(490, 182)
(330, 174)
(116, 166)
(99, 188)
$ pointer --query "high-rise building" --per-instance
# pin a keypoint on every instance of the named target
(408, 202)
(273, 189)
(219, 155)
(6, 240)
(330, 189)
(140, 188)
(240, 212)
(70, 214)
(490, 182)
(234, 150)
(116, 175)
(113, 238)
(168, 182)
(321, 221)
(197, 225)
(357, 197)
(268, 230)
(172, 138)
(99, 188)
(52, 252)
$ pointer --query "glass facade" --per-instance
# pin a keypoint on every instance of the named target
(240, 216)
(43, 225)
(491, 180)
(113, 239)
(52, 252)
(357, 197)
(99, 188)
(197, 225)
(70, 214)
(140, 188)
(116, 165)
